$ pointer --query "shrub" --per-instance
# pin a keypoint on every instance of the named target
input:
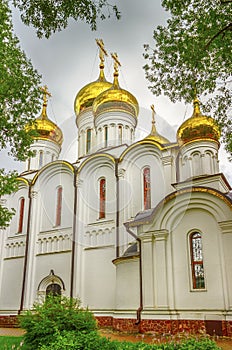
(80, 341)
(93, 341)
(51, 318)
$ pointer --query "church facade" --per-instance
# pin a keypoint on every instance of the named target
(140, 231)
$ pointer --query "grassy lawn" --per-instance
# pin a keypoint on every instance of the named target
(7, 342)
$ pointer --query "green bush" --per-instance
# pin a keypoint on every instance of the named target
(61, 324)
(93, 341)
(80, 341)
(51, 318)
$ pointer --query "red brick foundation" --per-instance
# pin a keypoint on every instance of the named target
(172, 326)
(8, 322)
(161, 326)
(104, 321)
(145, 326)
(227, 328)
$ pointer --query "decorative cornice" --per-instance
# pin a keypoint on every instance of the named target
(226, 226)
(125, 259)
(167, 160)
(160, 235)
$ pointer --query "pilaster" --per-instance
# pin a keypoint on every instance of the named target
(147, 270)
(160, 262)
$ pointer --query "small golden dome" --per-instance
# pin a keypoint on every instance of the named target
(88, 93)
(198, 127)
(154, 135)
(44, 127)
(116, 98)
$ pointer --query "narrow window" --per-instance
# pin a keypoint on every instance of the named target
(58, 205)
(147, 188)
(21, 215)
(88, 140)
(198, 276)
(40, 159)
(102, 211)
(106, 136)
(120, 134)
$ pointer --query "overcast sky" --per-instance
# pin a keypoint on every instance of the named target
(69, 60)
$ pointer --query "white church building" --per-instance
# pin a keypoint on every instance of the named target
(140, 231)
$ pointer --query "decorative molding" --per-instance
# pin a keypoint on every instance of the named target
(34, 194)
(15, 249)
(79, 182)
(54, 243)
(146, 237)
(160, 235)
(121, 173)
(167, 160)
(226, 226)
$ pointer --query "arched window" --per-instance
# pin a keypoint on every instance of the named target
(120, 134)
(102, 204)
(40, 159)
(21, 214)
(88, 140)
(106, 136)
(58, 205)
(147, 188)
(198, 276)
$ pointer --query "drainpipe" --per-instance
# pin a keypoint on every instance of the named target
(26, 251)
(140, 309)
(74, 234)
(117, 208)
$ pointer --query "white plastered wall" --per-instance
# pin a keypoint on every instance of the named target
(95, 240)
(169, 232)
(49, 246)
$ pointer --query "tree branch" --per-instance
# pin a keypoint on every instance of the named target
(223, 2)
(228, 27)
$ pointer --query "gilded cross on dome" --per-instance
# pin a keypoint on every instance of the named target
(153, 113)
(116, 62)
(153, 128)
(102, 50)
(46, 93)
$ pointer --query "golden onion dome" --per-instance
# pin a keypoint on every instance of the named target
(154, 135)
(89, 92)
(116, 98)
(198, 127)
(44, 127)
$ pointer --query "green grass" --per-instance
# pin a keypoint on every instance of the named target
(6, 342)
